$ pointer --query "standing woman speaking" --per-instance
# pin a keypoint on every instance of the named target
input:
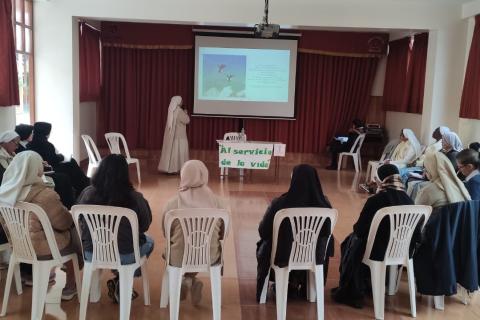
(175, 142)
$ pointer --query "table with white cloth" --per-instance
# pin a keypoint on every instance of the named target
(249, 155)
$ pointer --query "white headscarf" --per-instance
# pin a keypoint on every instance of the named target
(8, 136)
(194, 192)
(441, 172)
(443, 130)
(452, 139)
(408, 133)
(25, 170)
(175, 102)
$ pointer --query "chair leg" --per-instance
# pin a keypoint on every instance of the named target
(411, 288)
(86, 283)
(76, 270)
(18, 279)
(281, 290)
(392, 280)
(89, 171)
(40, 275)
(439, 302)
(359, 162)
(164, 294)
(216, 283)
(174, 285)
(11, 267)
(146, 284)
(126, 288)
(339, 163)
(95, 288)
(319, 288)
(263, 296)
(138, 171)
(312, 289)
(377, 273)
(355, 162)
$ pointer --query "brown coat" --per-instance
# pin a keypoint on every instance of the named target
(58, 215)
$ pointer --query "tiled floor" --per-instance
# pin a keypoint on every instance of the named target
(248, 201)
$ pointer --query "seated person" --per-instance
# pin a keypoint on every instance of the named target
(451, 146)
(305, 191)
(475, 146)
(193, 193)
(344, 144)
(111, 186)
(354, 276)
(407, 151)
(41, 145)
(22, 181)
(468, 162)
(8, 144)
(443, 187)
(25, 131)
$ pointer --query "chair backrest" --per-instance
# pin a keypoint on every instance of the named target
(198, 225)
(93, 154)
(387, 151)
(16, 222)
(113, 140)
(306, 225)
(357, 145)
(403, 222)
(103, 223)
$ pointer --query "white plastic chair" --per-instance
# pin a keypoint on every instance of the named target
(354, 153)
(103, 223)
(16, 221)
(113, 140)
(197, 225)
(94, 157)
(7, 247)
(306, 225)
(232, 136)
(403, 222)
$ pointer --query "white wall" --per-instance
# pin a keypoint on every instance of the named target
(379, 82)
(471, 9)
(396, 121)
(87, 124)
(469, 131)
(7, 118)
(56, 38)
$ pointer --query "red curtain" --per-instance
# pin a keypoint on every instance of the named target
(9, 93)
(416, 71)
(90, 74)
(396, 77)
(470, 105)
(330, 92)
(137, 87)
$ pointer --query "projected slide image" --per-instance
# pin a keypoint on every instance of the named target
(224, 76)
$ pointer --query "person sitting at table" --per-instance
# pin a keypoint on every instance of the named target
(341, 144)
(468, 163)
(443, 187)
(451, 146)
(305, 191)
(354, 276)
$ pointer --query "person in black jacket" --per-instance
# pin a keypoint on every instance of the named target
(25, 131)
(354, 279)
(344, 144)
(41, 145)
(111, 186)
(468, 163)
(305, 191)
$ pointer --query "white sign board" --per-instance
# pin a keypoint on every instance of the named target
(244, 155)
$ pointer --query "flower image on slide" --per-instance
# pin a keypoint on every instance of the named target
(224, 75)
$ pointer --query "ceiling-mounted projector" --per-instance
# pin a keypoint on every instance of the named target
(265, 29)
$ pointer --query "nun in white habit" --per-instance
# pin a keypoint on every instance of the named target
(175, 142)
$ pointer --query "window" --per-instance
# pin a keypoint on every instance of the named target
(23, 17)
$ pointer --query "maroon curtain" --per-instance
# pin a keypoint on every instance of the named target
(330, 92)
(416, 78)
(9, 93)
(396, 76)
(90, 75)
(137, 87)
(470, 105)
